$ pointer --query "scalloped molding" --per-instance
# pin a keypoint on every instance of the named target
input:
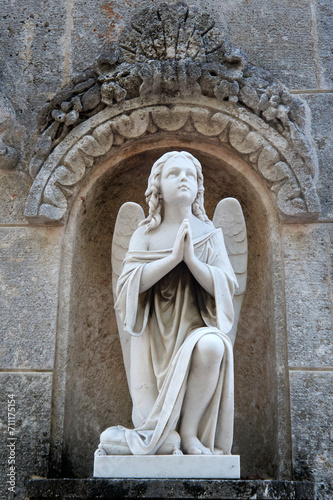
(284, 171)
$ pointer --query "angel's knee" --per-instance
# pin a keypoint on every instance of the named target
(209, 350)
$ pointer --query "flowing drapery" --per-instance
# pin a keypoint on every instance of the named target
(163, 326)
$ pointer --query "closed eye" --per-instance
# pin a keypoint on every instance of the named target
(190, 174)
(172, 173)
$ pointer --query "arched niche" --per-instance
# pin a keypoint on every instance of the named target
(89, 360)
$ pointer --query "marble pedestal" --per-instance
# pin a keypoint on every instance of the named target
(168, 466)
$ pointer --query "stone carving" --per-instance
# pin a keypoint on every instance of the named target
(8, 154)
(174, 55)
(174, 302)
(285, 172)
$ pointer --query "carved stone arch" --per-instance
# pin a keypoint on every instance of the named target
(285, 171)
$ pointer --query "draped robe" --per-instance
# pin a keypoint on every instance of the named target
(163, 326)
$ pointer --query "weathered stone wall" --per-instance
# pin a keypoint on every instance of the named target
(44, 45)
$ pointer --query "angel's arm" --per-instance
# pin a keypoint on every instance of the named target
(202, 271)
(156, 270)
(198, 269)
(202, 274)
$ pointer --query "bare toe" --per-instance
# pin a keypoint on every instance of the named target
(192, 446)
(194, 451)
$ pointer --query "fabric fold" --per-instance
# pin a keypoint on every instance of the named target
(164, 324)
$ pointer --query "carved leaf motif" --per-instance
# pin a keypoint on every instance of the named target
(91, 98)
(53, 195)
(288, 191)
(207, 123)
(68, 177)
(267, 158)
(243, 140)
(277, 172)
(99, 143)
(77, 161)
(249, 96)
(132, 126)
(170, 119)
(297, 206)
(89, 146)
(195, 48)
(104, 137)
(50, 212)
(54, 204)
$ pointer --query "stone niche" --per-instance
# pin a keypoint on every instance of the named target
(96, 389)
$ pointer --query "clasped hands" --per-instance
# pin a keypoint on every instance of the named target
(183, 246)
(182, 251)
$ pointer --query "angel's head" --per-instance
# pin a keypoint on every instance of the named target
(153, 193)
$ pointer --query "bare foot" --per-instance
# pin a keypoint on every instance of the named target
(192, 446)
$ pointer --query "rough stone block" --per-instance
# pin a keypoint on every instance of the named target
(29, 270)
(28, 453)
(32, 59)
(322, 131)
(177, 489)
(14, 188)
(276, 35)
(311, 420)
(308, 274)
(96, 23)
(324, 25)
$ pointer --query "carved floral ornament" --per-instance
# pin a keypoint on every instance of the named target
(172, 70)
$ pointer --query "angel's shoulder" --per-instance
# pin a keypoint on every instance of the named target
(139, 239)
(201, 228)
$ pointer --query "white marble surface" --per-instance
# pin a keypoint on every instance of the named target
(174, 286)
(168, 466)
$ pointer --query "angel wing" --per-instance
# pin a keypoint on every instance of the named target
(229, 217)
(128, 218)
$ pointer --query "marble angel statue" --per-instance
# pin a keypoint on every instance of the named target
(178, 292)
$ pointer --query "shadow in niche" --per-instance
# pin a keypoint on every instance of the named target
(96, 389)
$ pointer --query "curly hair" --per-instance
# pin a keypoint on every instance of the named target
(153, 196)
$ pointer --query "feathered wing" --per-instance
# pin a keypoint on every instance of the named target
(229, 217)
(128, 218)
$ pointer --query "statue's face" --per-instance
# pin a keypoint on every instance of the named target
(178, 183)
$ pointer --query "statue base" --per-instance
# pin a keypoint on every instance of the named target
(167, 466)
